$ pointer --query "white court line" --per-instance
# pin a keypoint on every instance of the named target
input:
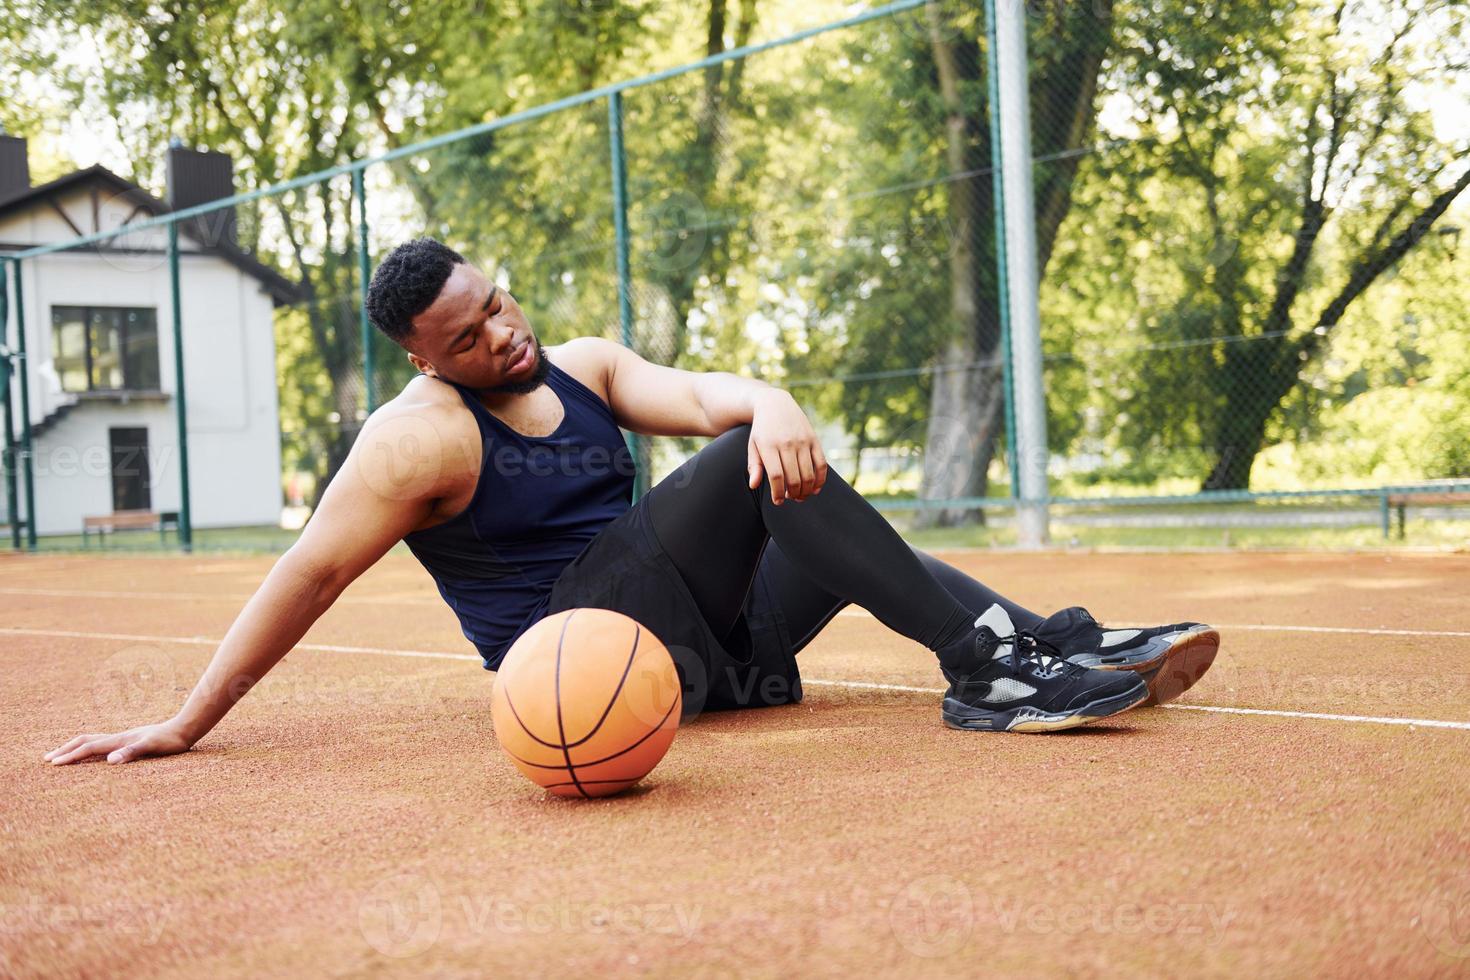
(205, 596)
(1270, 628)
(205, 641)
(870, 686)
(816, 682)
(851, 611)
(1364, 630)
(1321, 716)
(1313, 715)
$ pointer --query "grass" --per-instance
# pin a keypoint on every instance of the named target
(267, 539)
(1421, 534)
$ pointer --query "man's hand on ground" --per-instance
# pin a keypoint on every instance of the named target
(135, 743)
(783, 445)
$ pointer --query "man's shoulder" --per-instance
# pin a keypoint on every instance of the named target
(426, 401)
(423, 396)
(427, 426)
(587, 359)
(584, 351)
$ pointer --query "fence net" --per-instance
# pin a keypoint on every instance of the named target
(1248, 232)
(800, 215)
(1244, 252)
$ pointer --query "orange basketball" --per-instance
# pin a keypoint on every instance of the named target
(586, 702)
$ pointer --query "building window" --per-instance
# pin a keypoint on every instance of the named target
(105, 348)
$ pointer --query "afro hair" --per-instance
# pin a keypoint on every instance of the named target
(407, 282)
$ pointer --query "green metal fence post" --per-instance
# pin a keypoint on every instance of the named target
(992, 87)
(364, 271)
(186, 518)
(620, 229)
(1007, 29)
(27, 457)
(11, 501)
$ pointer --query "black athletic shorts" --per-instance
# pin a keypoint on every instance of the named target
(625, 569)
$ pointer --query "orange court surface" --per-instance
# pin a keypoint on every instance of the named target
(1304, 810)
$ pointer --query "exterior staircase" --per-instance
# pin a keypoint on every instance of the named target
(38, 429)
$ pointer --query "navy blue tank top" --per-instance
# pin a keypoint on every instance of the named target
(538, 502)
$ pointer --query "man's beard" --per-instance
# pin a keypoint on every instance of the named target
(525, 387)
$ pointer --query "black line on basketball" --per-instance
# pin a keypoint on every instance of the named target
(627, 668)
(560, 726)
(533, 736)
(597, 762)
(591, 782)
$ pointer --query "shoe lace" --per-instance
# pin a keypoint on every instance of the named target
(1042, 655)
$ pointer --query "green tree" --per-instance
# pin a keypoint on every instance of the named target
(293, 91)
(1309, 170)
(940, 71)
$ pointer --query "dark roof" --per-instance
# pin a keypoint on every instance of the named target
(281, 289)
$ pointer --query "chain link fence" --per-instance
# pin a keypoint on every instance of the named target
(1244, 221)
(1247, 227)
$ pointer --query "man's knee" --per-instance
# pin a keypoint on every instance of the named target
(740, 435)
(734, 452)
(724, 459)
(730, 445)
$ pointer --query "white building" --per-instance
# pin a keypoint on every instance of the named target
(100, 348)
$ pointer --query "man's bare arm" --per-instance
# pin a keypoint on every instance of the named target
(385, 489)
(658, 400)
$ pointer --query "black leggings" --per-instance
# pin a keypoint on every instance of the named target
(820, 553)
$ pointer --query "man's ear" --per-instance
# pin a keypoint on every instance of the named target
(422, 366)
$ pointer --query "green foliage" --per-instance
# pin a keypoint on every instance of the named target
(793, 216)
(1265, 155)
(31, 62)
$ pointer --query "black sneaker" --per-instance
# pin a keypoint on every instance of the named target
(1170, 658)
(1020, 683)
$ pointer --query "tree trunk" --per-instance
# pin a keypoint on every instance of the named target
(1239, 435)
(965, 417)
(963, 395)
(337, 329)
(967, 399)
(1245, 388)
(1064, 112)
(857, 454)
(678, 263)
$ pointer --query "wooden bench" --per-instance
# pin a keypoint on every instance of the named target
(128, 520)
(1425, 498)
